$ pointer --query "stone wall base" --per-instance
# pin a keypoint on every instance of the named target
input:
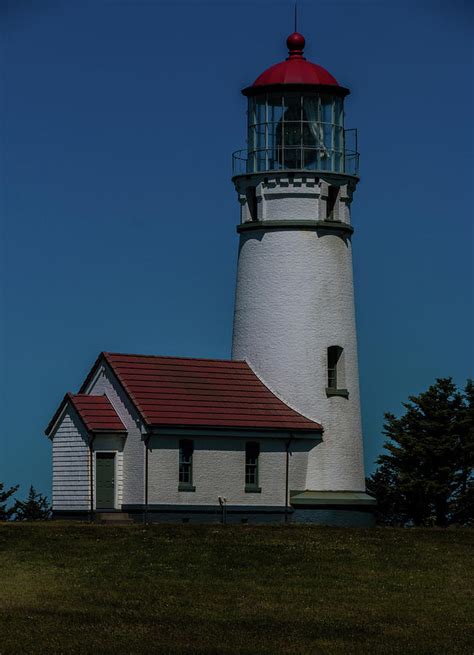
(333, 516)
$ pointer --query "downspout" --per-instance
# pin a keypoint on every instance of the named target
(287, 476)
(91, 476)
(147, 440)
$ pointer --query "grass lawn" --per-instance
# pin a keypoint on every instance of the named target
(79, 588)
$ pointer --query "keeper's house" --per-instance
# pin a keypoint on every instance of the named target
(169, 436)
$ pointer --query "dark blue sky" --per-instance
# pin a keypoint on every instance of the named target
(118, 212)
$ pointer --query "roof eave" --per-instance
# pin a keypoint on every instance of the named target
(92, 372)
(57, 414)
(277, 88)
(202, 430)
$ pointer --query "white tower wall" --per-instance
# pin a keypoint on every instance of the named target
(294, 299)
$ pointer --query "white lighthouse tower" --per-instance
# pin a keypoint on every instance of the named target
(294, 316)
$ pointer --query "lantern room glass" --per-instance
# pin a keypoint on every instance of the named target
(296, 131)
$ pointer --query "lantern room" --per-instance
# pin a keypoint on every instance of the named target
(296, 120)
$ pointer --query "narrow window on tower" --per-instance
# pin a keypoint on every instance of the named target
(333, 192)
(335, 372)
(251, 194)
(252, 454)
(186, 449)
(334, 352)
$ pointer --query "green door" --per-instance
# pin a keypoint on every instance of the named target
(105, 480)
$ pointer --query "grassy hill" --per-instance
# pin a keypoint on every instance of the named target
(78, 588)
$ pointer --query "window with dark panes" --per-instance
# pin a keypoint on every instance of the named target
(252, 453)
(334, 355)
(186, 448)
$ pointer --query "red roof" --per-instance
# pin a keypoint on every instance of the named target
(96, 412)
(184, 392)
(295, 69)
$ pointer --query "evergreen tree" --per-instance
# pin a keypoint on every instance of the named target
(463, 502)
(35, 508)
(425, 476)
(383, 486)
(5, 513)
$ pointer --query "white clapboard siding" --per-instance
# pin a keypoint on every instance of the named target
(71, 485)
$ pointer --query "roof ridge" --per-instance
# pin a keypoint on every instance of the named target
(199, 359)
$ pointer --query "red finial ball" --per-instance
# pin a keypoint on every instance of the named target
(295, 43)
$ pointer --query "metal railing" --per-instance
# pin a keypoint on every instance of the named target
(308, 158)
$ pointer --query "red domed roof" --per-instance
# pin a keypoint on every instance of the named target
(294, 70)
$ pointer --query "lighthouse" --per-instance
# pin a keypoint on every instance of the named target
(273, 434)
(294, 318)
